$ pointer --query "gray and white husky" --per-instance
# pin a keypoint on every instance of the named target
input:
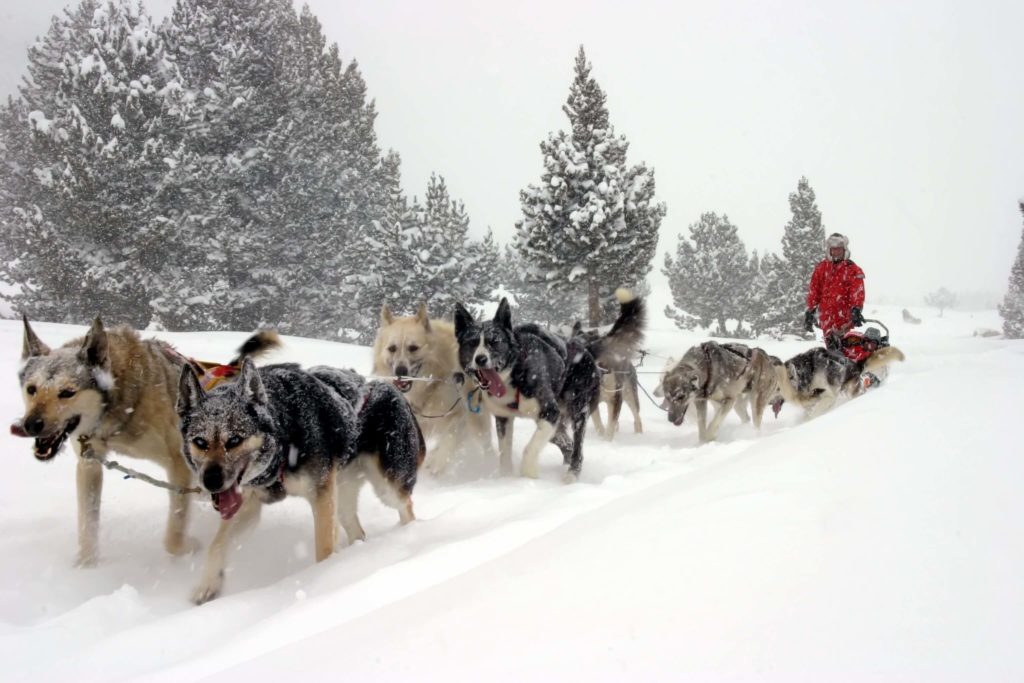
(280, 430)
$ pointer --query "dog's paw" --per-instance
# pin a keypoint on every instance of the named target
(570, 477)
(207, 590)
(85, 560)
(185, 545)
(529, 471)
(505, 467)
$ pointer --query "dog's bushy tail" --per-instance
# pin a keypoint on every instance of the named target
(627, 334)
(882, 357)
(260, 343)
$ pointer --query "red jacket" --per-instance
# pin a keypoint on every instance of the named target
(836, 287)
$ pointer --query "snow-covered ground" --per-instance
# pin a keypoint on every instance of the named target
(874, 543)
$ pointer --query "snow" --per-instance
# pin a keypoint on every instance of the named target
(874, 543)
(117, 122)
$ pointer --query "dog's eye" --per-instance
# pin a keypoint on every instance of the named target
(233, 442)
(200, 443)
(30, 390)
(392, 348)
(413, 348)
(66, 393)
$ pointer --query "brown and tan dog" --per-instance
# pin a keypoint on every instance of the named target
(119, 391)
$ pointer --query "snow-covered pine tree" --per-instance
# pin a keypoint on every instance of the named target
(380, 261)
(802, 248)
(239, 59)
(1012, 308)
(591, 223)
(482, 268)
(768, 313)
(532, 301)
(440, 246)
(84, 167)
(709, 276)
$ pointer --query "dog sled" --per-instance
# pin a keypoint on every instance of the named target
(859, 346)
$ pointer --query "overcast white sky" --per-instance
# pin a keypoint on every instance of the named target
(907, 117)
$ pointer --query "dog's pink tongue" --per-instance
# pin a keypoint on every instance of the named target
(776, 407)
(495, 387)
(18, 429)
(228, 502)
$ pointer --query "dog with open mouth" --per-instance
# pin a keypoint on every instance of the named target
(423, 356)
(119, 391)
(280, 430)
(525, 371)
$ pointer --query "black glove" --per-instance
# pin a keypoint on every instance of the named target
(856, 317)
(809, 319)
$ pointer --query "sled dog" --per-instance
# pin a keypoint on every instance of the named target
(816, 378)
(119, 392)
(709, 372)
(415, 348)
(614, 354)
(280, 430)
(526, 371)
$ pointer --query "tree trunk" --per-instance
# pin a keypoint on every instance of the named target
(593, 303)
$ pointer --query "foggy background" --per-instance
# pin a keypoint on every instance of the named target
(905, 117)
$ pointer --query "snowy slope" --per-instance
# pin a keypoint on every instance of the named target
(874, 543)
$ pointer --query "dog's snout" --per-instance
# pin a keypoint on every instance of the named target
(402, 370)
(481, 360)
(34, 425)
(213, 478)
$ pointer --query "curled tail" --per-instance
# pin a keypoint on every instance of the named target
(627, 334)
(260, 343)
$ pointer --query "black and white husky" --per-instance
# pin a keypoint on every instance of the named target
(526, 371)
(281, 430)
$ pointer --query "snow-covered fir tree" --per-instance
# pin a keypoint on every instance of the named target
(767, 313)
(709, 276)
(591, 224)
(1012, 308)
(83, 167)
(802, 248)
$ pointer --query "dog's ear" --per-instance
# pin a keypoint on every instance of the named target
(577, 328)
(190, 391)
(32, 345)
(94, 348)
(503, 316)
(422, 317)
(251, 384)
(463, 319)
(659, 390)
(386, 316)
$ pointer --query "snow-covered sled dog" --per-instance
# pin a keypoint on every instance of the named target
(526, 371)
(816, 378)
(281, 430)
(709, 372)
(763, 389)
(419, 348)
(614, 354)
(118, 391)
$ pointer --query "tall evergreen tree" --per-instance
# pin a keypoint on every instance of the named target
(84, 164)
(802, 248)
(591, 224)
(1012, 308)
(709, 276)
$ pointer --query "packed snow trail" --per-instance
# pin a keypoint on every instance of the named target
(874, 542)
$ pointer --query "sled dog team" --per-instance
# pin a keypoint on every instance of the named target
(278, 430)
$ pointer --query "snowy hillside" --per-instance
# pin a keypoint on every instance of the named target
(874, 543)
